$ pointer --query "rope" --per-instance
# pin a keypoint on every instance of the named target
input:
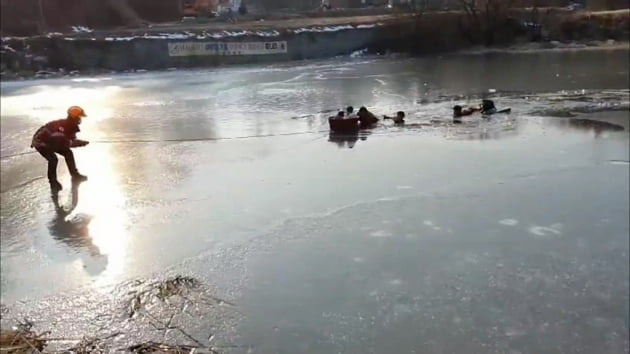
(204, 139)
(140, 141)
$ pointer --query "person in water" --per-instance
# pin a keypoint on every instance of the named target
(58, 137)
(340, 115)
(398, 119)
(459, 111)
(366, 118)
(350, 111)
(487, 107)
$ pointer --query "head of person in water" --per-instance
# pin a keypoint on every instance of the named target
(341, 114)
(487, 105)
(400, 117)
(350, 110)
(363, 110)
(457, 111)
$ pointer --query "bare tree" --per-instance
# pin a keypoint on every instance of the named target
(484, 17)
(128, 15)
(96, 11)
(419, 6)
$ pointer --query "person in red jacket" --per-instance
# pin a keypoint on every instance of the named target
(57, 137)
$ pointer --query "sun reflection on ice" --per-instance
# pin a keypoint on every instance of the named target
(50, 103)
(103, 199)
(101, 205)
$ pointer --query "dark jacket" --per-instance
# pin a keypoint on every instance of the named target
(367, 118)
(56, 135)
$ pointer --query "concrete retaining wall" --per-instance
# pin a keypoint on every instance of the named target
(140, 53)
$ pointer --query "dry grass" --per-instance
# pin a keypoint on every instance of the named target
(162, 290)
(152, 347)
(610, 24)
(146, 302)
(603, 17)
(21, 341)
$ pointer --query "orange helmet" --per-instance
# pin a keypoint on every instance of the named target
(76, 112)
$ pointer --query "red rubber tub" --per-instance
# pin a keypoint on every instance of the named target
(344, 125)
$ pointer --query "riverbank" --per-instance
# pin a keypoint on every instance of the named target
(169, 46)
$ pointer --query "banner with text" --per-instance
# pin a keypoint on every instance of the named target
(184, 49)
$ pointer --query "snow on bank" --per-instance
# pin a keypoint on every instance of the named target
(233, 34)
(204, 34)
(81, 29)
(322, 29)
(318, 29)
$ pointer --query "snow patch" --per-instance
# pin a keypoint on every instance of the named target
(224, 34)
(508, 222)
(546, 231)
(91, 79)
(190, 35)
(81, 29)
(358, 53)
(322, 29)
(168, 36)
(120, 38)
(335, 28)
(619, 162)
(380, 234)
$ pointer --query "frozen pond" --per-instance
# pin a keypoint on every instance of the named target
(507, 234)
